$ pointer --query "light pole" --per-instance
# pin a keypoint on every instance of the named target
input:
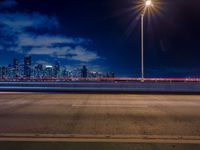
(148, 4)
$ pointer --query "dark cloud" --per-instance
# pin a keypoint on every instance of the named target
(8, 4)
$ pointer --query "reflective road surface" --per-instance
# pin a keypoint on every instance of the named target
(100, 117)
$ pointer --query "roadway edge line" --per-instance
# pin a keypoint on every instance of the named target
(99, 138)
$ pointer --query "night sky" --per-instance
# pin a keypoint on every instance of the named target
(103, 35)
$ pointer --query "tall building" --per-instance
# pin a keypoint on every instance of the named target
(0, 72)
(38, 71)
(15, 67)
(48, 72)
(84, 72)
(10, 71)
(21, 70)
(4, 71)
(56, 69)
(27, 66)
(64, 73)
(110, 75)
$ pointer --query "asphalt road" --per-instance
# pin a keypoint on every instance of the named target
(100, 118)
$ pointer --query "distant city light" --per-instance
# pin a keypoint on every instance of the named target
(49, 66)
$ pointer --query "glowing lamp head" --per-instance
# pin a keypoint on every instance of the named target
(148, 3)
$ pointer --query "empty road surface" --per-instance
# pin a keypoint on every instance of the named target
(99, 117)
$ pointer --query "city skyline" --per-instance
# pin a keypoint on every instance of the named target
(103, 35)
(26, 69)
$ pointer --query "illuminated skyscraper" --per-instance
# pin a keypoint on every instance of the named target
(38, 71)
(15, 67)
(84, 72)
(27, 66)
(0, 72)
(56, 69)
(4, 71)
(48, 71)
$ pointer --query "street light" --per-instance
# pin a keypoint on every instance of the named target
(147, 4)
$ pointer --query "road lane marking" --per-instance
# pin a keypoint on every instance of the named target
(101, 138)
(109, 105)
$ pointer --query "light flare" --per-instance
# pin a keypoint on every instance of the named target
(148, 3)
(151, 6)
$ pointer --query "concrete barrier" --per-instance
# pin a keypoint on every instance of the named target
(182, 87)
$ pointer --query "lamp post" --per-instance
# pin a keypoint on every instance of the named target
(148, 4)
